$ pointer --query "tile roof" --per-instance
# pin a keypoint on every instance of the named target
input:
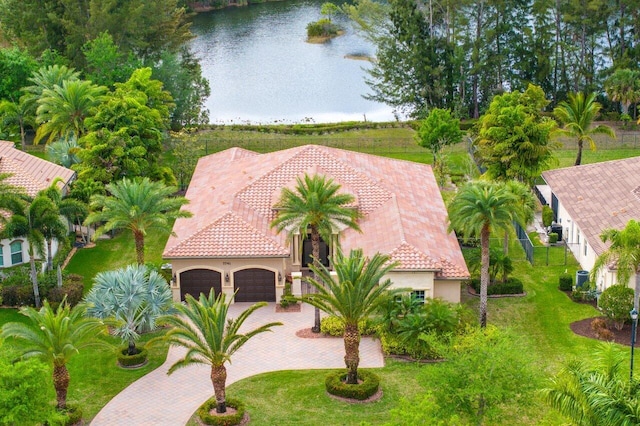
(232, 195)
(598, 196)
(29, 172)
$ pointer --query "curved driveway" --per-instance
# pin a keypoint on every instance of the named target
(159, 399)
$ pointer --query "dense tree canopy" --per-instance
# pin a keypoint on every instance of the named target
(514, 137)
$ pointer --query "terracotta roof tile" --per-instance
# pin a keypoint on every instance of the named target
(400, 201)
(598, 196)
(29, 172)
(229, 236)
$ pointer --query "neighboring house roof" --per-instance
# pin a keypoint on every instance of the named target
(598, 196)
(232, 194)
(29, 172)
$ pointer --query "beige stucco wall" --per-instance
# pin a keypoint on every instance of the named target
(228, 266)
(448, 290)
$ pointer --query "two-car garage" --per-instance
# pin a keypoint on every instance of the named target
(251, 284)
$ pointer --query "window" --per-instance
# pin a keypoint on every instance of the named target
(585, 247)
(418, 295)
(1, 256)
(16, 252)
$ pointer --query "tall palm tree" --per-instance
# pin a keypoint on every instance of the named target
(54, 335)
(315, 205)
(625, 252)
(47, 78)
(134, 296)
(596, 395)
(18, 114)
(479, 208)
(210, 337)
(356, 293)
(139, 205)
(63, 109)
(624, 86)
(577, 116)
(40, 222)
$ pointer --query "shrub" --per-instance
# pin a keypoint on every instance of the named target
(25, 390)
(553, 237)
(392, 344)
(335, 385)
(10, 295)
(16, 276)
(24, 295)
(333, 326)
(615, 303)
(67, 417)
(227, 420)
(287, 298)
(73, 292)
(547, 216)
(598, 324)
(137, 359)
(322, 28)
(512, 286)
(565, 282)
(605, 334)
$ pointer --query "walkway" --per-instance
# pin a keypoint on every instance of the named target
(159, 399)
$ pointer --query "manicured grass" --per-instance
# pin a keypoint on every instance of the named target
(114, 253)
(11, 315)
(96, 377)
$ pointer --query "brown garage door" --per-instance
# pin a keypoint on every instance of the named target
(196, 281)
(255, 285)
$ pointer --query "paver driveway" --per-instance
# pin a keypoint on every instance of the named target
(159, 399)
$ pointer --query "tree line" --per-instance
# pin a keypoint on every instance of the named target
(459, 54)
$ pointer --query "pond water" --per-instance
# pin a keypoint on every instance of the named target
(262, 70)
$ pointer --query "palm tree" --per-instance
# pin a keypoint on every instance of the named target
(578, 115)
(210, 337)
(625, 252)
(47, 78)
(54, 335)
(596, 395)
(63, 151)
(18, 114)
(356, 293)
(134, 296)
(62, 109)
(624, 86)
(315, 205)
(40, 222)
(139, 205)
(479, 208)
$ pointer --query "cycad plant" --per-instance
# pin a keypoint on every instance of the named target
(353, 295)
(210, 336)
(54, 336)
(133, 297)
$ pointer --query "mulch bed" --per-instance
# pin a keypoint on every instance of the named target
(306, 333)
(296, 307)
(583, 328)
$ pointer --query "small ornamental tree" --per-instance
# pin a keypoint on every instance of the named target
(437, 130)
(616, 302)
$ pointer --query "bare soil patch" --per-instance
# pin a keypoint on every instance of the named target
(306, 333)
(375, 397)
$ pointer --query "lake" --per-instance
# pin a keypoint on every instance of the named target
(262, 70)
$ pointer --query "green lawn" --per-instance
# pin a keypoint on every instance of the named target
(114, 253)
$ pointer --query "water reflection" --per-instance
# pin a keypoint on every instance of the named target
(262, 70)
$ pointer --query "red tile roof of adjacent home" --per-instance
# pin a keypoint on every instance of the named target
(598, 196)
(29, 172)
(232, 194)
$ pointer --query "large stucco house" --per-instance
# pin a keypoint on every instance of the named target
(228, 243)
(590, 198)
(32, 174)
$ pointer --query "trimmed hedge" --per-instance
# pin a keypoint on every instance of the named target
(134, 360)
(221, 420)
(73, 292)
(512, 286)
(553, 237)
(18, 295)
(565, 282)
(547, 215)
(335, 385)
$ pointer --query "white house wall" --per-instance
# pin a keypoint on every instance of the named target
(576, 241)
(5, 251)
